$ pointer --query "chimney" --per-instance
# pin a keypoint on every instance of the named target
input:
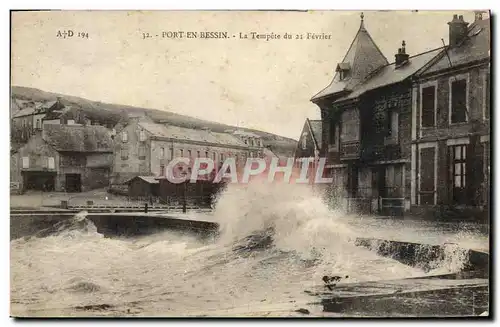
(402, 57)
(458, 30)
(478, 15)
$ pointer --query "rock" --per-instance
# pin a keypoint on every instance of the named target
(303, 311)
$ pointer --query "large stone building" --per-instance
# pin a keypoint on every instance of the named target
(371, 129)
(366, 115)
(143, 147)
(451, 121)
(63, 158)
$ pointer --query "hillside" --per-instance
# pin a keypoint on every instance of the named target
(114, 112)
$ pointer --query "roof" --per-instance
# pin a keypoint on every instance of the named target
(147, 179)
(389, 74)
(188, 134)
(316, 127)
(245, 133)
(56, 114)
(27, 111)
(71, 138)
(363, 57)
(29, 108)
(476, 46)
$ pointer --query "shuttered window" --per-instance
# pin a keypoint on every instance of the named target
(428, 106)
(458, 101)
(350, 125)
(26, 162)
(427, 187)
(51, 163)
(142, 152)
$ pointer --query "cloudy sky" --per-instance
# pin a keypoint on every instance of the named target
(259, 84)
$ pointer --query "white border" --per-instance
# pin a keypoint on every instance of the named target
(454, 78)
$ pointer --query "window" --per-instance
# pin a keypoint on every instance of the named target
(124, 136)
(215, 157)
(189, 154)
(198, 154)
(428, 106)
(124, 154)
(458, 173)
(350, 125)
(222, 157)
(333, 132)
(392, 124)
(142, 136)
(162, 170)
(246, 141)
(26, 162)
(38, 124)
(206, 154)
(458, 101)
(181, 153)
(427, 175)
(171, 154)
(304, 141)
(162, 153)
(142, 152)
(51, 163)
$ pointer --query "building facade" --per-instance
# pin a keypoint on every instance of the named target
(451, 122)
(366, 116)
(143, 147)
(64, 159)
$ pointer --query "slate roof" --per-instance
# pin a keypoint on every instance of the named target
(389, 74)
(247, 134)
(188, 134)
(316, 128)
(363, 57)
(476, 46)
(71, 138)
(56, 114)
(26, 111)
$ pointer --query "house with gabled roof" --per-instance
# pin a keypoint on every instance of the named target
(310, 140)
(451, 123)
(366, 125)
(64, 158)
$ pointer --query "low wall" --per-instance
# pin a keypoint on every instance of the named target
(31, 224)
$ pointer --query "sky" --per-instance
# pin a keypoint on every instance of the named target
(254, 83)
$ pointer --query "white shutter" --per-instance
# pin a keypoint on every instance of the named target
(52, 163)
(26, 162)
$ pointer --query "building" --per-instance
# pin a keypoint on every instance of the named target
(64, 158)
(143, 147)
(28, 118)
(309, 145)
(143, 188)
(253, 141)
(451, 122)
(366, 114)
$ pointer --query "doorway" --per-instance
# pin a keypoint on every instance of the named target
(73, 183)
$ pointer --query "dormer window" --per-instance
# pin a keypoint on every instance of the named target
(343, 69)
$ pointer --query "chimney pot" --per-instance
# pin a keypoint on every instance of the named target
(457, 30)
